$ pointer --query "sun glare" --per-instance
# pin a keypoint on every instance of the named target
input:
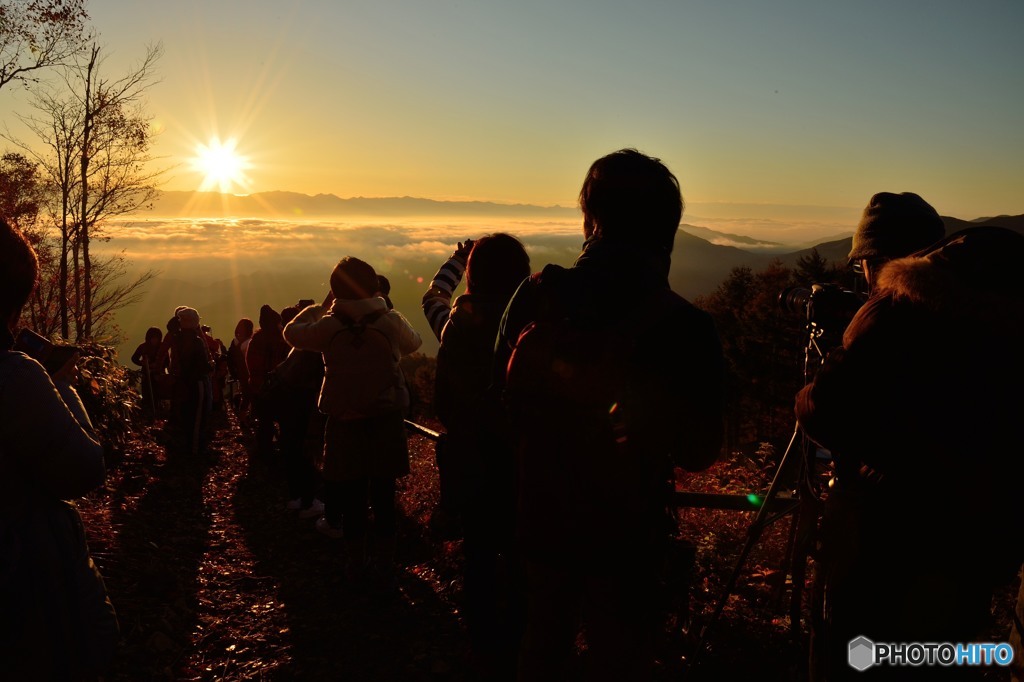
(222, 166)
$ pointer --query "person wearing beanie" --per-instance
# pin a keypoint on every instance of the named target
(921, 400)
(893, 226)
(266, 351)
(365, 398)
(188, 318)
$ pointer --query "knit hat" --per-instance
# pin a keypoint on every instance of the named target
(188, 317)
(894, 226)
(269, 318)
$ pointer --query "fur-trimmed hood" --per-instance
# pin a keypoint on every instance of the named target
(974, 271)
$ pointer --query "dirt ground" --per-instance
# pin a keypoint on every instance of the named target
(213, 579)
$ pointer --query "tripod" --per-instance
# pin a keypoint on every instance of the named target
(800, 501)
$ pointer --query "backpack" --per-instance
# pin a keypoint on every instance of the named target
(609, 372)
(300, 371)
(364, 362)
(574, 365)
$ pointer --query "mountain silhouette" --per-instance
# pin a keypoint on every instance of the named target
(295, 205)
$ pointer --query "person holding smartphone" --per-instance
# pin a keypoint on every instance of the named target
(56, 621)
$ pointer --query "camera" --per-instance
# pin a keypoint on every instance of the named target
(827, 306)
(51, 357)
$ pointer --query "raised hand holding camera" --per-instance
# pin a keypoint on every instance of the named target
(462, 251)
(59, 361)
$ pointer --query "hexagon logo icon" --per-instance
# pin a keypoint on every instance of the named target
(862, 653)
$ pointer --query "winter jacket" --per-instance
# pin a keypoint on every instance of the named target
(476, 462)
(924, 397)
(236, 363)
(194, 363)
(465, 361)
(921, 409)
(47, 445)
(55, 619)
(316, 329)
(582, 497)
(267, 349)
(147, 353)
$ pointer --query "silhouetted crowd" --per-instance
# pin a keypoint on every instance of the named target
(569, 398)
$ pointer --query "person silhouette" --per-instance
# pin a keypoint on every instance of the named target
(610, 378)
(910, 406)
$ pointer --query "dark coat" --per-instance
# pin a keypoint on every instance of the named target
(55, 619)
(921, 409)
(194, 362)
(477, 464)
(267, 350)
(582, 496)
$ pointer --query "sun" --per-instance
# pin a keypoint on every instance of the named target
(222, 166)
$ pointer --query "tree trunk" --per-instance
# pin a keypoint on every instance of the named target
(84, 217)
(65, 328)
(76, 274)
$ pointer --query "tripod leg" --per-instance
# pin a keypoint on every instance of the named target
(787, 559)
(803, 546)
(754, 532)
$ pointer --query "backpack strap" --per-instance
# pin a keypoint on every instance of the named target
(358, 327)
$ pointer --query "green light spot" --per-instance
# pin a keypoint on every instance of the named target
(755, 500)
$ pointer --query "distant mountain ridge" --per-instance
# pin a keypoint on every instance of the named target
(296, 205)
(739, 240)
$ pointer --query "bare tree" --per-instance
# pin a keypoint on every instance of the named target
(96, 153)
(114, 153)
(57, 124)
(35, 34)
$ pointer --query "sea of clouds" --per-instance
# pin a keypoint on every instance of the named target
(228, 267)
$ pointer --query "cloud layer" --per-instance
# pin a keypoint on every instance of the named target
(252, 241)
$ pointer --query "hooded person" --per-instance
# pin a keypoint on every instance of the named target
(364, 397)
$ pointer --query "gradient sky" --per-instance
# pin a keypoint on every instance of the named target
(793, 103)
